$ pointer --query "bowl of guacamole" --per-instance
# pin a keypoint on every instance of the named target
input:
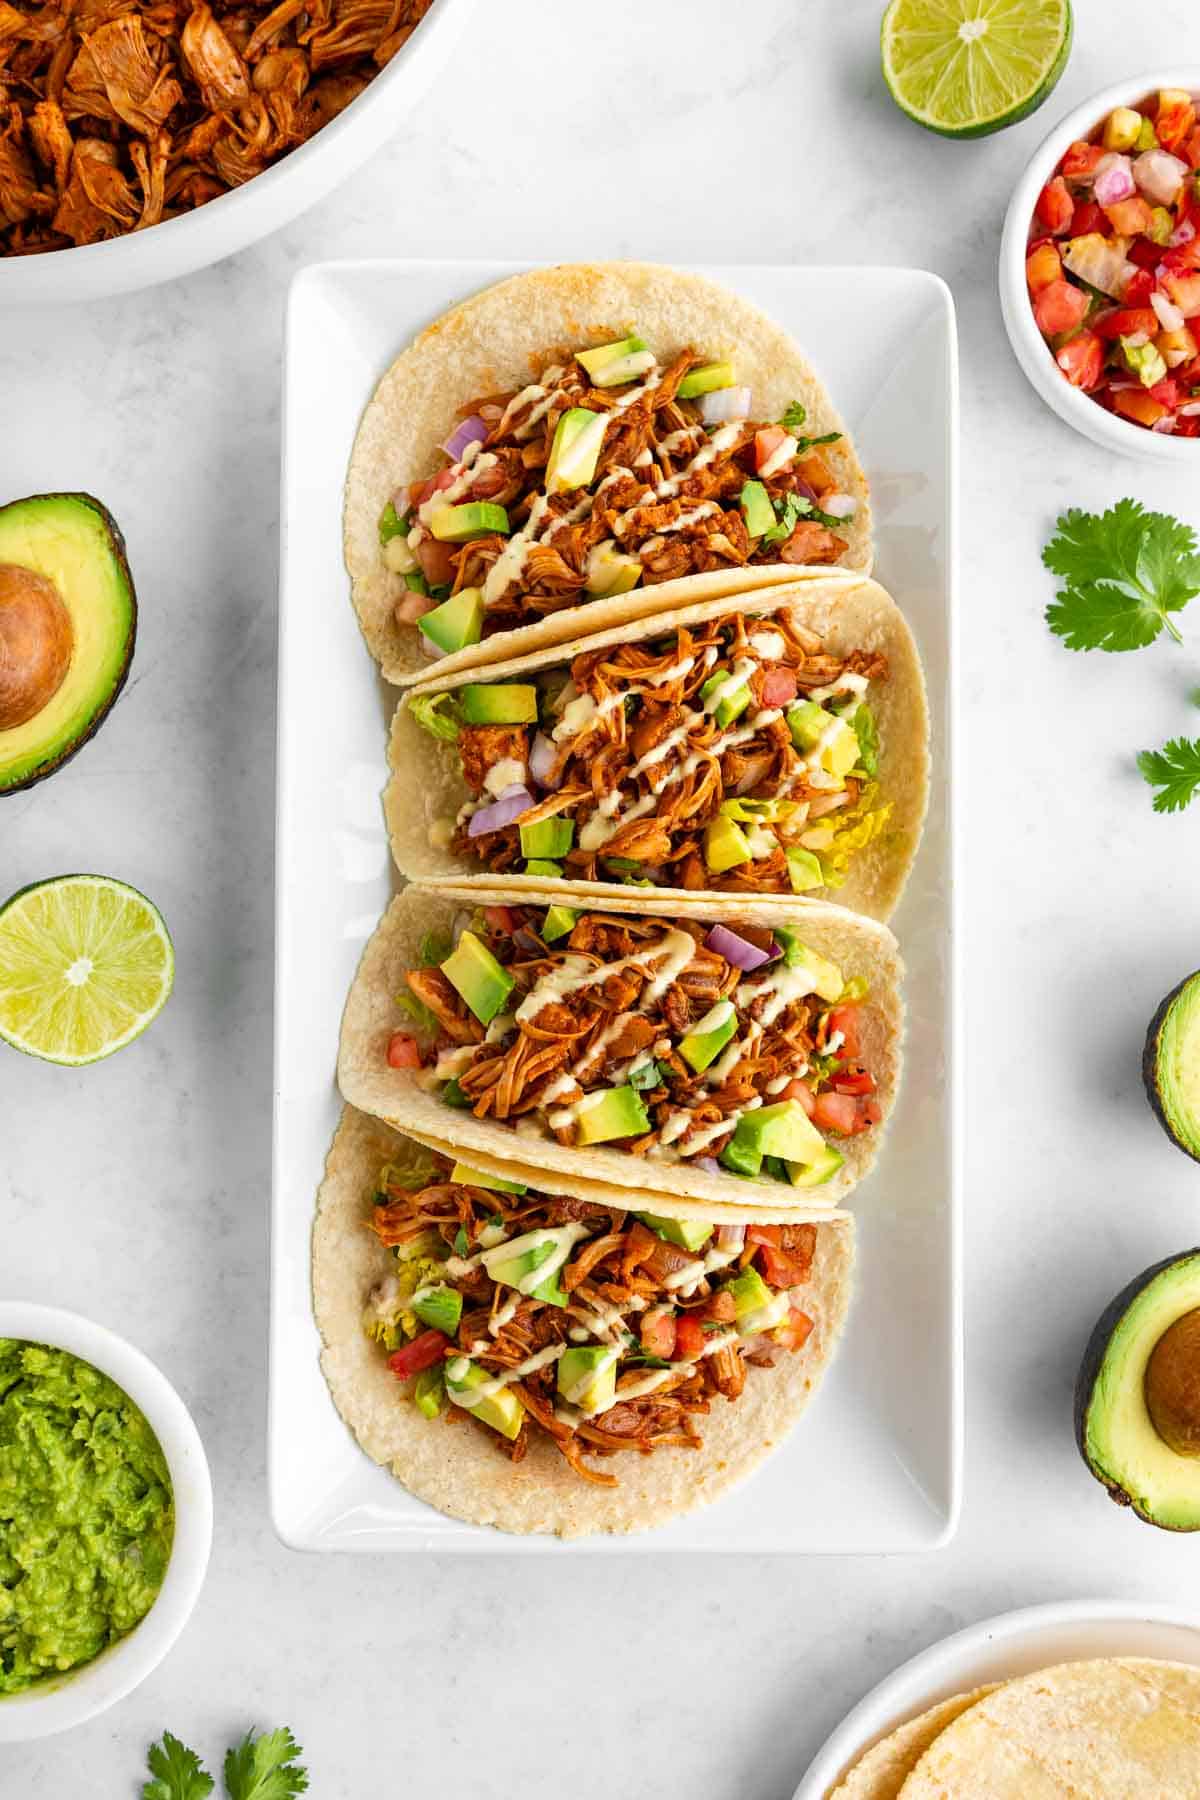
(105, 1519)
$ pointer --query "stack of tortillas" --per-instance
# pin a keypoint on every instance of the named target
(1126, 1728)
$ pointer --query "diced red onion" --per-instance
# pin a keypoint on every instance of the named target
(653, 871)
(1169, 315)
(526, 942)
(1114, 179)
(1182, 234)
(735, 949)
(471, 431)
(731, 1237)
(707, 1162)
(1190, 410)
(1160, 176)
(511, 804)
(541, 761)
(725, 404)
(1166, 426)
(839, 506)
(1136, 339)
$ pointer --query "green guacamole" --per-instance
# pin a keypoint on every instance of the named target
(86, 1513)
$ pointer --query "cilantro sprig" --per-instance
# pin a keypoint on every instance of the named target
(793, 421)
(176, 1772)
(1125, 572)
(1174, 771)
(265, 1767)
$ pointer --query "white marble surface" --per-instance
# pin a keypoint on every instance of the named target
(137, 1190)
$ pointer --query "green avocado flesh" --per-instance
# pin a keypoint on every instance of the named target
(1171, 1065)
(86, 1514)
(1116, 1433)
(72, 543)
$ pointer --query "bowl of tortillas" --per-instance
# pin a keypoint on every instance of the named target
(1092, 1697)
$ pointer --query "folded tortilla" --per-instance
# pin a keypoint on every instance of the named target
(496, 341)
(427, 784)
(880, 1773)
(455, 1467)
(860, 946)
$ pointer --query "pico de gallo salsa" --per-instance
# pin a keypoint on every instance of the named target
(1113, 263)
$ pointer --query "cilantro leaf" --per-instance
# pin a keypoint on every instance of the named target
(1174, 770)
(391, 524)
(177, 1772)
(794, 417)
(265, 1768)
(1125, 570)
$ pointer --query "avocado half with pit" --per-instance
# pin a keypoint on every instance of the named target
(1137, 1400)
(1171, 1065)
(68, 619)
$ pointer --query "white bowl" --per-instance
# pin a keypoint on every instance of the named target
(80, 1694)
(998, 1649)
(1031, 349)
(270, 200)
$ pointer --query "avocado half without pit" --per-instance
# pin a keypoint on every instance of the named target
(1137, 1400)
(68, 619)
(1171, 1065)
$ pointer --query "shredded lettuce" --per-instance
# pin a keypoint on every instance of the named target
(434, 948)
(438, 714)
(867, 733)
(416, 1170)
(419, 1013)
(851, 832)
(388, 1319)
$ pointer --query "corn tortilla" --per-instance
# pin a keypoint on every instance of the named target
(880, 1773)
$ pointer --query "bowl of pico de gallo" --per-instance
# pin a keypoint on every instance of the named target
(1100, 268)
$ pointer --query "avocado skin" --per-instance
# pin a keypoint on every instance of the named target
(55, 760)
(1150, 1066)
(1092, 1362)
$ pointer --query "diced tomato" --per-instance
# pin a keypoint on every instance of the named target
(1191, 150)
(1145, 253)
(1127, 321)
(780, 1269)
(1185, 292)
(1188, 427)
(413, 606)
(836, 1112)
(762, 1234)
(778, 687)
(870, 1113)
(420, 491)
(1090, 217)
(502, 919)
(1166, 392)
(1081, 159)
(435, 560)
(403, 1051)
(1138, 405)
(422, 1353)
(845, 1019)
(1129, 217)
(853, 1081)
(800, 1091)
(689, 1337)
(794, 1333)
(658, 1333)
(1175, 119)
(1181, 259)
(766, 443)
(1138, 288)
(1081, 360)
(1042, 266)
(1059, 307)
(1055, 207)
(1189, 375)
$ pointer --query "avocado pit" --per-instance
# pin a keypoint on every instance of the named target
(36, 641)
(1173, 1385)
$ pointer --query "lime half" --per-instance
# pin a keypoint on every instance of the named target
(85, 965)
(967, 67)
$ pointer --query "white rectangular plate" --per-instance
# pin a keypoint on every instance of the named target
(875, 1464)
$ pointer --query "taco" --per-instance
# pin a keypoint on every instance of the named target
(736, 1053)
(772, 744)
(544, 1364)
(584, 445)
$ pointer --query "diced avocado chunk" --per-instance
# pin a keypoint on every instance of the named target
(611, 1113)
(502, 1411)
(609, 571)
(840, 750)
(757, 510)
(740, 1157)
(758, 1309)
(559, 922)
(439, 1307)
(462, 1172)
(736, 697)
(474, 973)
(511, 1271)
(804, 869)
(784, 1130)
(578, 440)
(587, 1377)
(547, 837)
(806, 721)
(549, 871)
(758, 812)
(476, 518)
(457, 622)
(429, 1392)
(709, 1035)
(609, 365)
(819, 1170)
(552, 1292)
(827, 978)
(689, 1234)
(500, 703)
(725, 845)
(706, 380)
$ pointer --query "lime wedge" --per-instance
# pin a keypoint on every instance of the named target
(966, 67)
(85, 965)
